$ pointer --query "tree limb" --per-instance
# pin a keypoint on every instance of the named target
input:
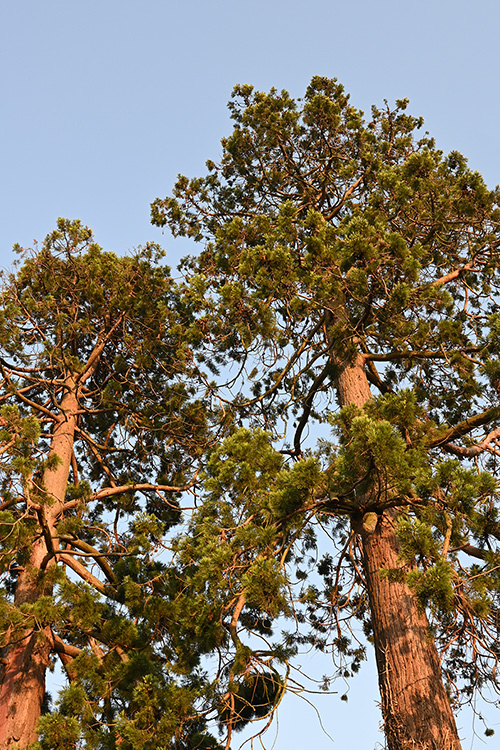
(66, 557)
(319, 380)
(473, 450)
(99, 557)
(420, 354)
(462, 428)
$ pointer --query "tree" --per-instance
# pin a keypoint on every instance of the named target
(350, 275)
(102, 429)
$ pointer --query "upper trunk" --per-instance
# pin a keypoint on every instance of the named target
(22, 678)
(415, 706)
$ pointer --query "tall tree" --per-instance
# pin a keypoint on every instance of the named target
(102, 428)
(351, 269)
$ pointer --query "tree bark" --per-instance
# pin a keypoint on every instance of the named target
(26, 657)
(416, 710)
(415, 706)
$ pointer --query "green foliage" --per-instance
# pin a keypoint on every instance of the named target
(98, 346)
(434, 586)
(335, 251)
(59, 732)
(336, 246)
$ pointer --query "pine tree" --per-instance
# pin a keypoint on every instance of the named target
(102, 430)
(350, 276)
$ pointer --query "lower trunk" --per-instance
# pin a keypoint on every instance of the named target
(416, 710)
(22, 683)
(23, 688)
(415, 706)
(27, 654)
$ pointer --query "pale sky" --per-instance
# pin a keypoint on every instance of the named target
(104, 102)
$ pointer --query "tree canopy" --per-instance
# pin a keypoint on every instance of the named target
(102, 431)
(297, 439)
(349, 276)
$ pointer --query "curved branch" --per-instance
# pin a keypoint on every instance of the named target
(99, 557)
(463, 428)
(473, 450)
(65, 557)
(318, 382)
(67, 653)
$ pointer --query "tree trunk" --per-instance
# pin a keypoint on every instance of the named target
(416, 710)
(22, 685)
(415, 707)
(25, 659)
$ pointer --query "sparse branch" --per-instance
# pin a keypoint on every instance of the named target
(308, 404)
(93, 360)
(66, 557)
(465, 427)
(473, 450)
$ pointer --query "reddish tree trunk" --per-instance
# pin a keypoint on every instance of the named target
(416, 710)
(415, 707)
(26, 657)
(22, 685)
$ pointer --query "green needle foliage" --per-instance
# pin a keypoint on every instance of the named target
(102, 429)
(349, 277)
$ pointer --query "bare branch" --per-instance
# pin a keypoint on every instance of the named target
(142, 487)
(308, 403)
(66, 557)
(473, 450)
(469, 549)
(463, 428)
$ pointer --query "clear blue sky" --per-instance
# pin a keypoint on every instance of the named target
(104, 102)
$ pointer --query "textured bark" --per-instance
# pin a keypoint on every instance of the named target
(416, 710)
(415, 707)
(25, 659)
(22, 689)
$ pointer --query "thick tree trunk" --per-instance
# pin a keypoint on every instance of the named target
(22, 678)
(416, 710)
(22, 685)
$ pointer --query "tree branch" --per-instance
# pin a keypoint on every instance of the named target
(469, 549)
(420, 354)
(473, 450)
(99, 557)
(462, 428)
(66, 557)
(142, 487)
(319, 380)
